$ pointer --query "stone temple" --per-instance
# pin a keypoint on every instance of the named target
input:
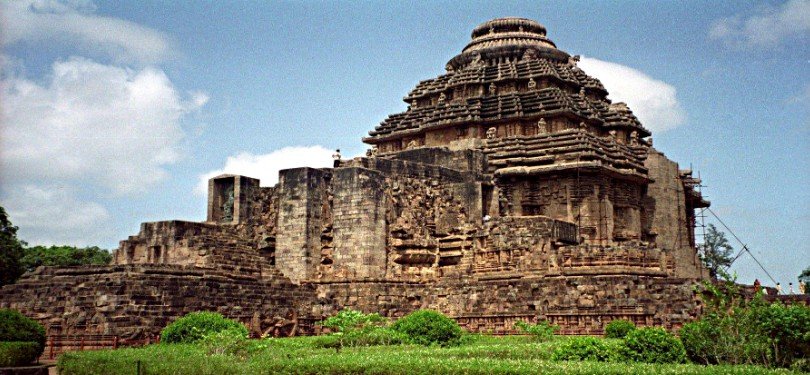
(511, 189)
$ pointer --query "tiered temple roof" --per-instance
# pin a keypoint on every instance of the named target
(509, 71)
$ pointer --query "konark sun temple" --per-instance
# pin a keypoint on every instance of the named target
(511, 189)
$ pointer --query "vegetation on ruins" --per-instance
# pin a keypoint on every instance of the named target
(11, 250)
(734, 330)
(428, 327)
(715, 252)
(653, 345)
(354, 328)
(18, 353)
(804, 277)
(62, 256)
(478, 354)
(22, 339)
(196, 326)
(349, 319)
(542, 331)
(619, 328)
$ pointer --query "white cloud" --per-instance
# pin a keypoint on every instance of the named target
(93, 124)
(53, 215)
(74, 22)
(769, 27)
(265, 167)
(654, 102)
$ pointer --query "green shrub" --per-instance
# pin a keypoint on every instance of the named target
(15, 326)
(585, 348)
(787, 329)
(427, 327)
(18, 353)
(348, 319)
(194, 326)
(231, 341)
(734, 330)
(617, 329)
(354, 328)
(699, 341)
(653, 345)
(542, 331)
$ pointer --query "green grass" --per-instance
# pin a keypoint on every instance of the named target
(478, 355)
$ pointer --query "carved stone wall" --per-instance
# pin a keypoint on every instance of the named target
(137, 300)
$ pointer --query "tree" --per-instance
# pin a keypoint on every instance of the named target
(11, 251)
(64, 256)
(716, 252)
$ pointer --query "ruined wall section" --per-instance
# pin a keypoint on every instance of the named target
(579, 304)
(193, 244)
(136, 301)
(301, 221)
(359, 224)
(432, 212)
(259, 226)
(665, 217)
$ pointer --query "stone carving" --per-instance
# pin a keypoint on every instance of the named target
(542, 126)
(532, 84)
(491, 132)
(227, 206)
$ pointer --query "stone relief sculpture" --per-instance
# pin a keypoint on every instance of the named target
(227, 206)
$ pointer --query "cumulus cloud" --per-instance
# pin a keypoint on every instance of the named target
(654, 102)
(53, 215)
(94, 123)
(266, 166)
(76, 23)
(769, 27)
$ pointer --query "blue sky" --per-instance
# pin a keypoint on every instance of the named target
(113, 113)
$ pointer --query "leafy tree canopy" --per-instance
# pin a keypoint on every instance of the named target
(11, 251)
(716, 252)
(64, 256)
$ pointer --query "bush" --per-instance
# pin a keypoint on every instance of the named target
(353, 328)
(427, 327)
(194, 326)
(231, 341)
(18, 353)
(653, 345)
(787, 328)
(15, 326)
(348, 319)
(585, 348)
(698, 339)
(617, 329)
(738, 331)
(542, 331)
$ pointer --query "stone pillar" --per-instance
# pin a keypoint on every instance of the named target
(359, 226)
(220, 189)
(298, 239)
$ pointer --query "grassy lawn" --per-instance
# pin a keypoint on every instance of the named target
(478, 355)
